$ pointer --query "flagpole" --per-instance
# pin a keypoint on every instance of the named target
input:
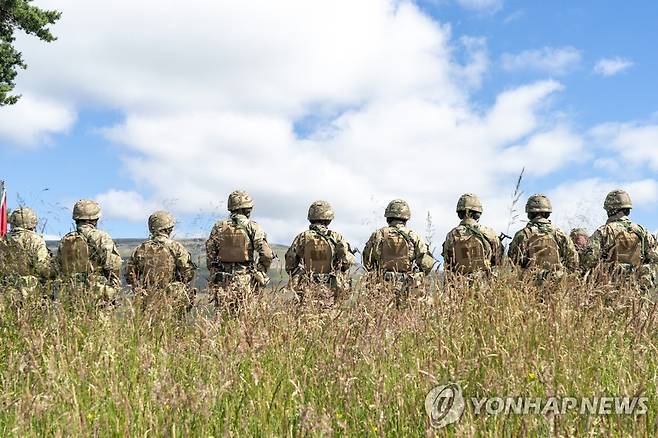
(3, 210)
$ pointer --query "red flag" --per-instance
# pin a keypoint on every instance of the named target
(3, 210)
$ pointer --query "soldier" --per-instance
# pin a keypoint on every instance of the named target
(234, 270)
(580, 239)
(88, 257)
(471, 248)
(541, 247)
(397, 253)
(162, 265)
(622, 248)
(26, 262)
(319, 257)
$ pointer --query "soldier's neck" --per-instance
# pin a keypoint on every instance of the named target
(468, 221)
(619, 217)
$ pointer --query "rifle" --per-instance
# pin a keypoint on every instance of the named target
(504, 236)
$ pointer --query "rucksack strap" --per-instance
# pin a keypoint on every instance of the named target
(405, 236)
(479, 235)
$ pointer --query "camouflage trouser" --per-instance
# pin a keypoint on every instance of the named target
(21, 287)
(642, 278)
(321, 290)
(545, 277)
(469, 281)
(231, 291)
(404, 286)
(176, 295)
(102, 291)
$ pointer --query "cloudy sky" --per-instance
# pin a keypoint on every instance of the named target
(162, 104)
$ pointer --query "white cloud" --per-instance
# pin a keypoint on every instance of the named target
(544, 153)
(33, 120)
(612, 66)
(551, 60)
(633, 143)
(212, 93)
(118, 204)
(482, 5)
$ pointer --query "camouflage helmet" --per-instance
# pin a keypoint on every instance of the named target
(538, 203)
(239, 199)
(161, 220)
(320, 210)
(469, 201)
(86, 209)
(616, 200)
(398, 209)
(23, 218)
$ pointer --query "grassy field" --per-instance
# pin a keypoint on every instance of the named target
(362, 369)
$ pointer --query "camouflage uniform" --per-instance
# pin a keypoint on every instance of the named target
(624, 250)
(162, 265)
(580, 239)
(398, 254)
(234, 271)
(470, 248)
(541, 247)
(88, 257)
(26, 261)
(318, 259)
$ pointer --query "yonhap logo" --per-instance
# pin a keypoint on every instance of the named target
(445, 405)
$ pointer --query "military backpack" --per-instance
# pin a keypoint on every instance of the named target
(159, 265)
(627, 248)
(75, 255)
(396, 246)
(318, 253)
(543, 250)
(470, 251)
(234, 243)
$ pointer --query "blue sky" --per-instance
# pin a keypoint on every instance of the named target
(355, 104)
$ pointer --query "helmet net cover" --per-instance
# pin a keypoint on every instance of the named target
(238, 200)
(161, 220)
(320, 210)
(398, 209)
(469, 201)
(23, 218)
(538, 203)
(617, 200)
(86, 209)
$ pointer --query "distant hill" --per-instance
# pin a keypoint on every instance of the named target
(198, 250)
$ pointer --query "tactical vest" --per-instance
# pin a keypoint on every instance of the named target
(234, 243)
(159, 266)
(543, 250)
(318, 253)
(75, 255)
(470, 252)
(395, 251)
(627, 248)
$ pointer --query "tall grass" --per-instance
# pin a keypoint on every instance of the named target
(364, 368)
